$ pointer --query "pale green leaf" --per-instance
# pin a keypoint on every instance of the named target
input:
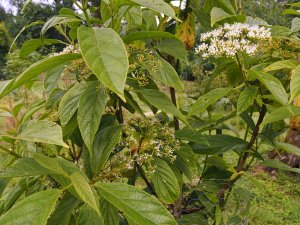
(282, 113)
(295, 83)
(51, 78)
(173, 47)
(159, 6)
(105, 54)
(33, 44)
(279, 165)
(33, 210)
(49, 163)
(43, 131)
(165, 182)
(279, 65)
(109, 212)
(288, 148)
(60, 19)
(92, 104)
(42, 66)
(136, 204)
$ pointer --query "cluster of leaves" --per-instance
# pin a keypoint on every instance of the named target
(58, 159)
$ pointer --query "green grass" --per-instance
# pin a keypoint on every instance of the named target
(272, 201)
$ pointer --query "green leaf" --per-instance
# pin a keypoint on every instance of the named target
(5, 86)
(194, 219)
(288, 148)
(33, 44)
(165, 182)
(217, 15)
(88, 216)
(42, 66)
(246, 99)
(159, 6)
(33, 210)
(49, 163)
(55, 20)
(279, 165)
(141, 35)
(186, 161)
(63, 211)
(104, 142)
(208, 99)
(165, 73)
(136, 204)
(295, 24)
(218, 144)
(43, 131)
(51, 77)
(92, 104)
(291, 12)
(282, 113)
(272, 84)
(69, 103)
(84, 191)
(173, 47)
(105, 54)
(24, 167)
(279, 65)
(162, 102)
(109, 212)
(295, 83)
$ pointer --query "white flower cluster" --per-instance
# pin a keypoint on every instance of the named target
(68, 49)
(230, 39)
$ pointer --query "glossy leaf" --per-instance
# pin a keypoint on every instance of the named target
(165, 182)
(92, 104)
(42, 66)
(69, 103)
(105, 54)
(33, 210)
(246, 99)
(136, 204)
(44, 132)
(208, 99)
(159, 6)
(295, 83)
(104, 142)
(282, 113)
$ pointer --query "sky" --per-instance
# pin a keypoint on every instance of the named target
(7, 6)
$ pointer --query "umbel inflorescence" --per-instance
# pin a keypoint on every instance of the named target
(230, 39)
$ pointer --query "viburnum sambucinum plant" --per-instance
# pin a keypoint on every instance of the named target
(90, 138)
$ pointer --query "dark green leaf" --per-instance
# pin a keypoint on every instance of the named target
(246, 99)
(282, 113)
